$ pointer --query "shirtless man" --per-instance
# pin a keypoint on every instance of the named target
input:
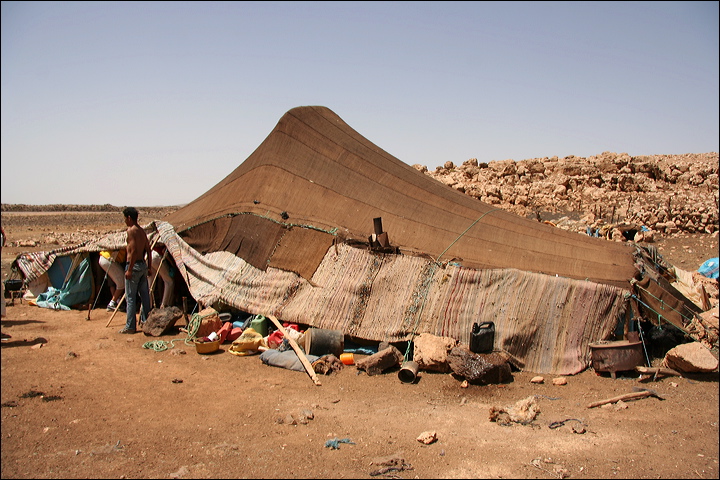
(137, 270)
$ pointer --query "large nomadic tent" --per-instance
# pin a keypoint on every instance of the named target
(319, 226)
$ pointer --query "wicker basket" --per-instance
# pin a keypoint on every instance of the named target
(207, 347)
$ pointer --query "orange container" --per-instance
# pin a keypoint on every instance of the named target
(347, 358)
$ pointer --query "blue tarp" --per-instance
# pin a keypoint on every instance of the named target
(76, 290)
(709, 268)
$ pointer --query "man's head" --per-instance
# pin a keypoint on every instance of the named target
(131, 212)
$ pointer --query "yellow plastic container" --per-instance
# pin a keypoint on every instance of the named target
(207, 347)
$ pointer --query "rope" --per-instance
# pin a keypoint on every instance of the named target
(660, 316)
(463, 233)
(642, 339)
(428, 277)
(332, 231)
(436, 263)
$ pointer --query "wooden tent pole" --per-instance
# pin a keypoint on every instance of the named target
(298, 350)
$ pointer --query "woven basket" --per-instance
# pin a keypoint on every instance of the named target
(207, 347)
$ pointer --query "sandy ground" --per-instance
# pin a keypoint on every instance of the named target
(80, 400)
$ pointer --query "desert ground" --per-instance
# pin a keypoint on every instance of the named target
(80, 400)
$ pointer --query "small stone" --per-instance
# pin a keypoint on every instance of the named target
(537, 379)
(464, 384)
(559, 381)
(427, 437)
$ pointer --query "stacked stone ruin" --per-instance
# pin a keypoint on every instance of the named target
(668, 194)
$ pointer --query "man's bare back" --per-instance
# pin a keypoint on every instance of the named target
(138, 246)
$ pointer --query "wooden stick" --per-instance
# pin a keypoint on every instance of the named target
(656, 371)
(627, 396)
(117, 307)
(298, 350)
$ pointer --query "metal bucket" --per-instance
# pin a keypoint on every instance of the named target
(320, 341)
(408, 371)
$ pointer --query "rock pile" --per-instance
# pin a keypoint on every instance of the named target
(668, 194)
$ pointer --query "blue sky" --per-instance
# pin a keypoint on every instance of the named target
(144, 103)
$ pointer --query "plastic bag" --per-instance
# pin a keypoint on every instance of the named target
(710, 268)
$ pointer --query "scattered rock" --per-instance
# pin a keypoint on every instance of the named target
(391, 463)
(619, 405)
(537, 379)
(182, 471)
(664, 193)
(427, 437)
(478, 367)
(431, 352)
(523, 412)
(691, 358)
(161, 320)
(305, 416)
(559, 381)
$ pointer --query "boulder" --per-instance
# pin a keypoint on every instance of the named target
(479, 368)
(691, 358)
(430, 352)
(161, 320)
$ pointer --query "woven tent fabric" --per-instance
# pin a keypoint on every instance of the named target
(545, 324)
(34, 264)
(315, 170)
